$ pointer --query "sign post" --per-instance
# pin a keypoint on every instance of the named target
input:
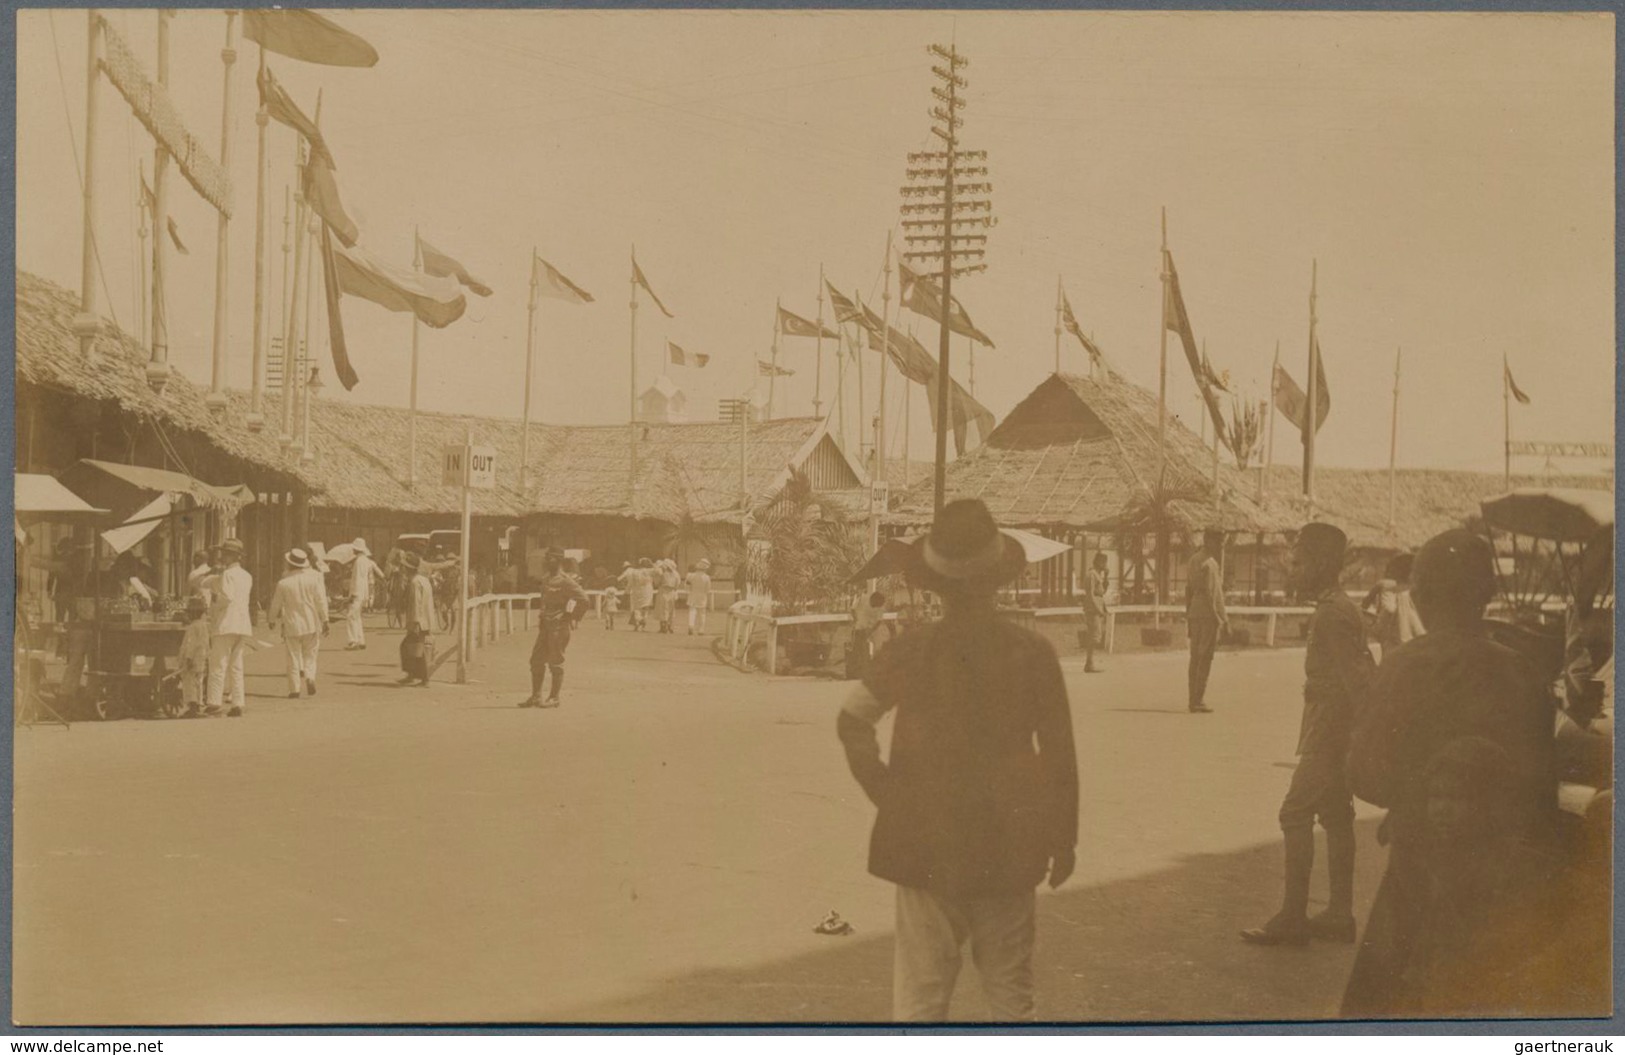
(467, 466)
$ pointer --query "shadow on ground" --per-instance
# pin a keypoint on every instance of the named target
(1162, 947)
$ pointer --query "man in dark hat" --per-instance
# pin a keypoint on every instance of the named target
(1337, 669)
(1450, 683)
(978, 799)
(1205, 617)
(563, 601)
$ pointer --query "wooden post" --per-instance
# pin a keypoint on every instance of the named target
(256, 393)
(216, 399)
(86, 324)
(158, 365)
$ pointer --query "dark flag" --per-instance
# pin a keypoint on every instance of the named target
(793, 325)
(922, 295)
(637, 276)
(342, 367)
(1512, 386)
(1289, 398)
(845, 310)
(306, 36)
(679, 357)
(322, 193)
(1070, 322)
(281, 108)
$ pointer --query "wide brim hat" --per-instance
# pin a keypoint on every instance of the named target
(360, 546)
(966, 550)
(296, 558)
(703, 565)
(232, 546)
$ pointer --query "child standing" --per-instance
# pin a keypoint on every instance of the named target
(611, 605)
(194, 656)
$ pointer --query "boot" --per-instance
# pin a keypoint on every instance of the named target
(1290, 926)
(1337, 922)
(535, 698)
(558, 683)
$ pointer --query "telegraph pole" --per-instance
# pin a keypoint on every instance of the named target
(940, 209)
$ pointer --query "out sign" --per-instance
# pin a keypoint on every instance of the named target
(469, 466)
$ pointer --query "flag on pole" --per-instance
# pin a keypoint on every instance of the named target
(440, 265)
(679, 357)
(845, 309)
(1070, 322)
(343, 369)
(637, 276)
(438, 302)
(793, 325)
(871, 322)
(1211, 377)
(150, 201)
(1512, 386)
(1292, 403)
(767, 369)
(1178, 320)
(281, 108)
(908, 355)
(970, 421)
(322, 193)
(552, 284)
(306, 36)
(922, 295)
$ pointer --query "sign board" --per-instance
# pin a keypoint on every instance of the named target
(464, 466)
(879, 495)
(1561, 450)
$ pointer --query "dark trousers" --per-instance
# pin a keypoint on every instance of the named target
(1204, 635)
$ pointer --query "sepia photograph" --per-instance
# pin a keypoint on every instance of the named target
(1130, 494)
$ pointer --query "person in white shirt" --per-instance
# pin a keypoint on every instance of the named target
(299, 606)
(202, 568)
(231, 627)
(362, 571)
(699, 595)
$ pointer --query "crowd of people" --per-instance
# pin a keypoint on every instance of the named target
(1452, 734)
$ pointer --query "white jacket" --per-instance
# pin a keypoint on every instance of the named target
(298, 605)
(229, 602)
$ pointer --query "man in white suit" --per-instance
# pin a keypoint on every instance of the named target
(299, 604)
(231, 628)
(362, 570)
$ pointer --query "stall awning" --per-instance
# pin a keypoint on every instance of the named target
(140, 525)
(91, 477)
(40, 495)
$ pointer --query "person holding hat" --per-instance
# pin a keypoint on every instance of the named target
(699, 595)
(299, 605)
(978, 798)
(1205, 617)
(1452, 682)
(231, 628)
(1337, 669)
(363, 569)
(563, 601)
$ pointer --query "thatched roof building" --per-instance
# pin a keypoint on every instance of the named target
(1082, 454)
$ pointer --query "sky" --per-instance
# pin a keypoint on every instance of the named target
(1449, 178)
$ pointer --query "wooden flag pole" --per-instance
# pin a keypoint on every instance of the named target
(302, 444)
(1393, 449)
(1269, 426)
(1313, 392)
(885, 354)
(412, 404)
(158, 365)
(465, 637)
(1506, 418)
(216, 399)
(141, 256)
(632, 396)
(530, 366)
(290, 334)
(1057, 325)
(86, 324)
(863, 420)
(773, 375)
(1162, 383)
(256, 393)
(818, 362)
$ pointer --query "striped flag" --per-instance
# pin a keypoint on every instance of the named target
(547, 281)
(679, 357)
(279, 105)
(922, 295)
(1070, 322)
(845, 309)
(637, 276)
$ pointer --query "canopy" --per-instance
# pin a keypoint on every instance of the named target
(1559, 514)
(42, 497)
(896, 555)
(140, 525)
(130, 486)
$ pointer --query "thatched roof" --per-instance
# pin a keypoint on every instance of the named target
(47, 354)
(687, 470)
(1083, 453)
(1426, 501)
(683, 471)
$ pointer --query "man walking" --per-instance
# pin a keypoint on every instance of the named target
(1094, 612)
(1337, 669)
(1205, 617)
(1431, 692)
(231, 627)
(699, 595)
(362, 571)
(563, 600)
(978, 799)
(299, 607)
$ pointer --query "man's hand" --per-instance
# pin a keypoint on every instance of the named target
(1061, 866)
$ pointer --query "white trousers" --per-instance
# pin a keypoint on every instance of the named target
(354, 632)
(226, 668)
(701, 613)
(302, 652)
(932, 930)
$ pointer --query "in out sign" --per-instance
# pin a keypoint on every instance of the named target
(470, 466)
